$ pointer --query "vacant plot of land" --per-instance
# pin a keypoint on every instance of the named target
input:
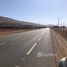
(60, 45)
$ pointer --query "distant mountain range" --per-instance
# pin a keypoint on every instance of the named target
(12, 23)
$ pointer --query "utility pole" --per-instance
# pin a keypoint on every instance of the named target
(63, 24)
(58, 22)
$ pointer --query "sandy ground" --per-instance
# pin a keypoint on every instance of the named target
(60, 45)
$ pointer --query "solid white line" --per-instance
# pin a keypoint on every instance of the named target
(39, 39)
(3, 43)
(31, 49)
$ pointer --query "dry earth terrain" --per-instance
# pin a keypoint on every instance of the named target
(60, 44)
(11, 31)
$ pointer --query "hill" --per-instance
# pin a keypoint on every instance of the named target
(12, 23)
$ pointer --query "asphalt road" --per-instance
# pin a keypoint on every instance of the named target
(27, 49)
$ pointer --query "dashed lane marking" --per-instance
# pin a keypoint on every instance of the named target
(39, 39)
(31, 49)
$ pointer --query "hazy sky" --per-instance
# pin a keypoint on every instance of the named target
(43, 11)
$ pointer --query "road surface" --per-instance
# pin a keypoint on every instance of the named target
(27, 49)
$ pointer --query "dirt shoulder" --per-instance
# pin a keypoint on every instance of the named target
(60, 45)
(12, 31)
(62, 32)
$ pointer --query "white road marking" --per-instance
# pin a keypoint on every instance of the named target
(39, 39)
(31, 49)
(17, 66)
(3, 43)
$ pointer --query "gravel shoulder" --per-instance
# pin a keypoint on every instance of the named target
(59, 44)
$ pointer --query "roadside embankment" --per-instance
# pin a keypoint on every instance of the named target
(59, 44)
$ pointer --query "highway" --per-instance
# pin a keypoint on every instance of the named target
(27, 49)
